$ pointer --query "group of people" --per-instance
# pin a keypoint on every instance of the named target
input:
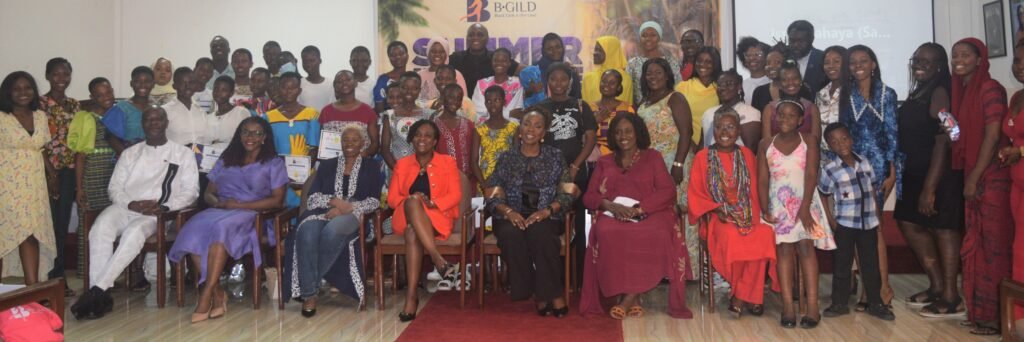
(665, 152)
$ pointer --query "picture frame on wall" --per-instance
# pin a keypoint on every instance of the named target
(1016, 21)
(995, 30)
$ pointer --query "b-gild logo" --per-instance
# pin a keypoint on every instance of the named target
(476, 12)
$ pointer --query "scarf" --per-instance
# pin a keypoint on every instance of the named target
(735, 198)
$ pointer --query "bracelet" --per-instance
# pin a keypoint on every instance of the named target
(574, 167)
(677, 164)
(507, 211)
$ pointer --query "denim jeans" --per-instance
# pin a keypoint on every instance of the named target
(318, 244)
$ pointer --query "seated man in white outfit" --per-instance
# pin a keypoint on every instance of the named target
(149, 178)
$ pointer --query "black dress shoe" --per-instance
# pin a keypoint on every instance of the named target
(405, 317)
(82, 307)
(808, 323)
(788, 323)
(309, 313)
(757, 309)
(559, 313)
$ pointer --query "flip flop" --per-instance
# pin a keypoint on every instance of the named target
(942, 309)
(984, 331)
(617, 312)
(923, 298)
(636, 311)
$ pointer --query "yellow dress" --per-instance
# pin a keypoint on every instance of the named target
(494, 142)
(24, 202)
(700, 98)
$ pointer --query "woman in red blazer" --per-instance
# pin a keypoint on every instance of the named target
(425, 194)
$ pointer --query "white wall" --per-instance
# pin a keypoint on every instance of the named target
(958, 19)
(110, 37)
(33, 31)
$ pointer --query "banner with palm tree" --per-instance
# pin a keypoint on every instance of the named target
(519, 25)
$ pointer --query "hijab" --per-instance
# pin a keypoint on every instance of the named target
(167, 88)
(615, 59)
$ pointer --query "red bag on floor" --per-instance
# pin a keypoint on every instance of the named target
(30, 322)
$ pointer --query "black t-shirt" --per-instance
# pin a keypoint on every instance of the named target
(475, 67)
(763, 96)
(569, 120)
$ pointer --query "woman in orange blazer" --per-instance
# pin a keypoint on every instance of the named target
(425, 194)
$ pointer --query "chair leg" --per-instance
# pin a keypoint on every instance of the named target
(256, 272)
(278, 260)
(462, 280)
(568, 272)
(161, 276)
(378, 278)
(394, 273)
(179, 275)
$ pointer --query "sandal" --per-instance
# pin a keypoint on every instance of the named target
(943, 309)
(735, 311)
(636, 311)
(982, 330)
(617, 312)
(449, 277)
(923, 298)
(967, 324)
(757, 309)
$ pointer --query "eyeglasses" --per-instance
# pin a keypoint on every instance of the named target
(754, 55)
(248, 133)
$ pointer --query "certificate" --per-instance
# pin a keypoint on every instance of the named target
(207, 156)
(330, 144)
(298, 168)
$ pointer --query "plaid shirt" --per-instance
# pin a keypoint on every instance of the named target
(854, 196)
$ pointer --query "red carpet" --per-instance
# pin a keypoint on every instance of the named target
(501, 319)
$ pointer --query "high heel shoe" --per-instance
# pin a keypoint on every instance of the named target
(219, 311)
(405, 317)
(561, 312)
(545, 311)
(201, 316)
(309, 307)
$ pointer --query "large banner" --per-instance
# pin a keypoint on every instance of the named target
(520, 25)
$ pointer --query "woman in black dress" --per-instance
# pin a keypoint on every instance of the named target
(930, 211)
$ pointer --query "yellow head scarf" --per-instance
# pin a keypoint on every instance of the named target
(615, 58)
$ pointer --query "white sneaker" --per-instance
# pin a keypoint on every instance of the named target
(433, 275)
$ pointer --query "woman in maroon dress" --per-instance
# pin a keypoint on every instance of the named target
(615, 265)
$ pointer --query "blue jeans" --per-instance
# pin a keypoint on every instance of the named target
(318, 245)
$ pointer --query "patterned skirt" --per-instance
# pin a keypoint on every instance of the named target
(99, 167)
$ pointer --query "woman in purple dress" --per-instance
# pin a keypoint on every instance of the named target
(248, 177)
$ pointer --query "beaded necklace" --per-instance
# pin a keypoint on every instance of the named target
(738, 208)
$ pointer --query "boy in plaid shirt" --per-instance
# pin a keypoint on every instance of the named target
(845, 183)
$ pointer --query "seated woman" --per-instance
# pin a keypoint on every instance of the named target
(723, 196)
(248, 177)
(326, 244)
(634, 173)
(525, 195)
(425, 192)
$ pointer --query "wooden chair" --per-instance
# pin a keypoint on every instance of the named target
(1010, 292)
(285, 218)
(269, 253)
(159, 243)
(394, 245)
(489, 247)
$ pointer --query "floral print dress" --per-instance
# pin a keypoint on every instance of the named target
(786, 189)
